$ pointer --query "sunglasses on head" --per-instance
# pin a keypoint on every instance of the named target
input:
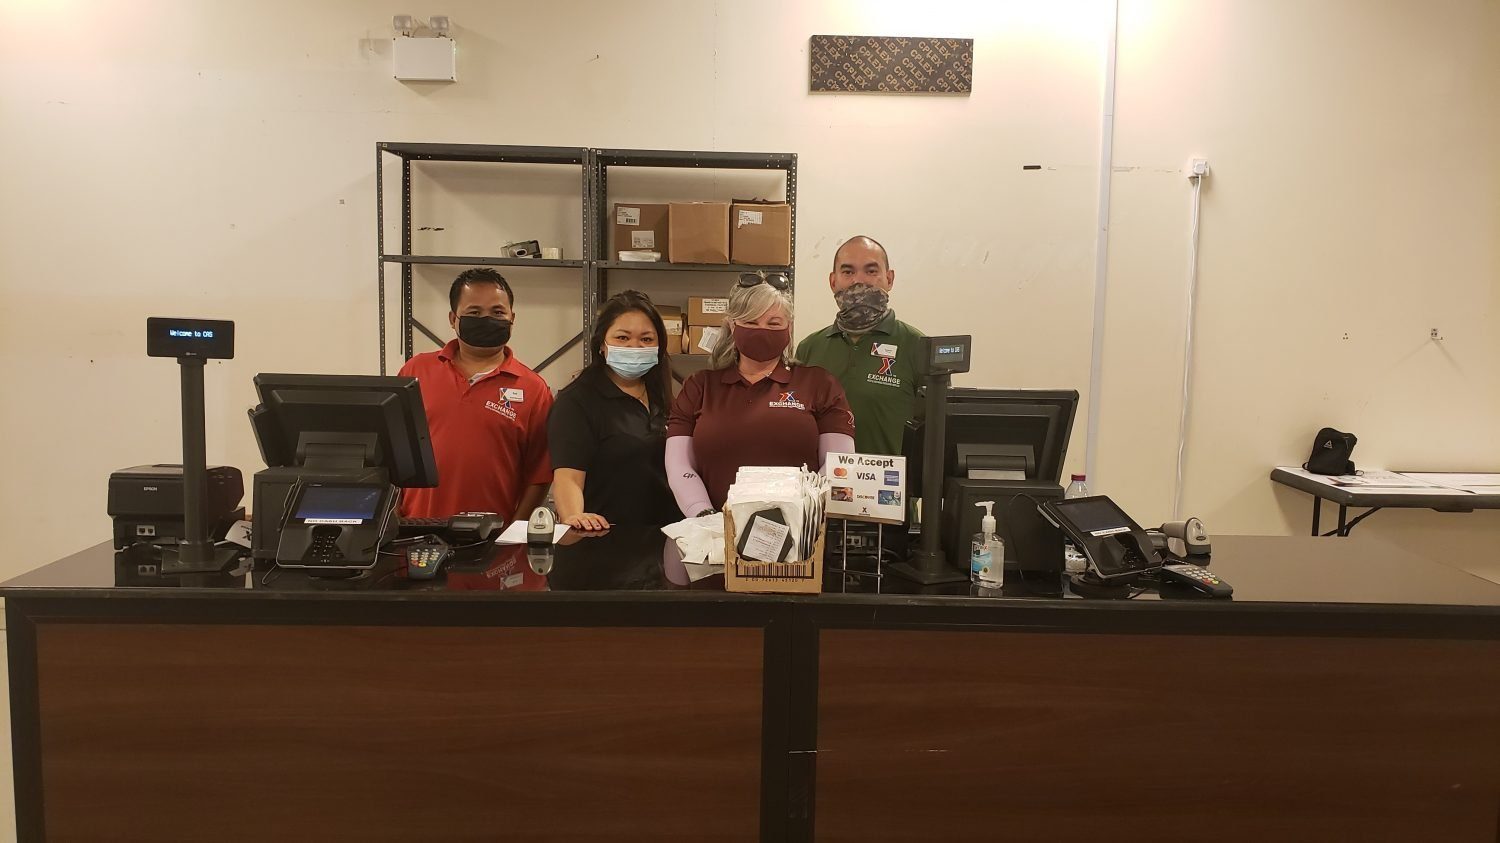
(775, 279)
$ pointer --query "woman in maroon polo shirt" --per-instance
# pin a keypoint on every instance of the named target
(754, 405)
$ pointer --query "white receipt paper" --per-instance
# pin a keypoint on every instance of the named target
(767, 538)
(516, 533)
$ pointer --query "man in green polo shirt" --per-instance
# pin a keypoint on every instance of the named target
(872, 353)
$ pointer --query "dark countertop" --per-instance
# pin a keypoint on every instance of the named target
(632, 564)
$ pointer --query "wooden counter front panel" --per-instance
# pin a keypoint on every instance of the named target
(220, 732)
(928, 735)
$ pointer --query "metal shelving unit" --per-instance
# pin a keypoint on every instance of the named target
(594, 269)
(596, 286)
(406, 153)
(659, 266)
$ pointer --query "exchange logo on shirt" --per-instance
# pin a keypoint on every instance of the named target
(884, 376)
(789, 400)
(887, 355)
(504, 406)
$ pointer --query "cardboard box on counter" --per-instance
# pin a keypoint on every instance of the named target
(761, 233)
(640, 227)
(698, 232)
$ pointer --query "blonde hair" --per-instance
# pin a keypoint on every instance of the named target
(747, 304)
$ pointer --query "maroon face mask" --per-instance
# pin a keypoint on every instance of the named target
(761, 343)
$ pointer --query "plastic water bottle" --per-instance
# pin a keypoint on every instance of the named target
(1074, 562)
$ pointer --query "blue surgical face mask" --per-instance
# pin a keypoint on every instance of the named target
(630, 363)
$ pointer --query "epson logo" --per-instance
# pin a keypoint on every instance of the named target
(148, 489)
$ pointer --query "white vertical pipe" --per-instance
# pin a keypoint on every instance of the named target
(1101, 248)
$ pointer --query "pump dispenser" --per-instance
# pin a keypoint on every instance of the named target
(987, 552)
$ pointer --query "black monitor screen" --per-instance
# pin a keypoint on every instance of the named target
(338, 504)
(1099, 516)
(1000, 427)
(345, 422)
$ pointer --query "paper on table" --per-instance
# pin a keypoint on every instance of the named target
(1381, 480)
(1457, 480)
(1436, 491)
(516, 533)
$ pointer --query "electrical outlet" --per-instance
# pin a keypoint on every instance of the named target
(1197, 168)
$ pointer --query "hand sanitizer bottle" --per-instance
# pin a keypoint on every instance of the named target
(987, 552)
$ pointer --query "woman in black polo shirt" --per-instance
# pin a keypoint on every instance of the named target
(607, 430)
(754, 405)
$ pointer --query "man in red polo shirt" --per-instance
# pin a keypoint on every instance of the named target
(486, 411)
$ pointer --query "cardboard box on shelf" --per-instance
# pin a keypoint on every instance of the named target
(671, 318)
(640, 227)
(761, 233)
(707, 311)
(698, 232)
(701, 339)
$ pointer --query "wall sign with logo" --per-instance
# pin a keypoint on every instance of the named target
(867, 487)
(875, 64)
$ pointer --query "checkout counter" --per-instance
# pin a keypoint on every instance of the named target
(320, 688)
(1347, 691)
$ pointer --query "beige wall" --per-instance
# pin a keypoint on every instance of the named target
(217, 160)
(1354, 205)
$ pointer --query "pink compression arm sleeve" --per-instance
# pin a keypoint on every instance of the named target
(832, 443)
(682, 476)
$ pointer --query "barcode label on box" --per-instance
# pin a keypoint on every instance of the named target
(709, 339)
(627, 216)
(750, 218)
(643, 240)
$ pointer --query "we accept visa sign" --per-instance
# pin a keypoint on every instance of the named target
(867, 487)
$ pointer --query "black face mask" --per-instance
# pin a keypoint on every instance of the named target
(483, 331)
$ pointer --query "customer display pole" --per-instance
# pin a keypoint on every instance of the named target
(195, 549)
(192, 342)
(943, 356)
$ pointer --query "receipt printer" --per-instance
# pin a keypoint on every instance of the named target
(146, 503)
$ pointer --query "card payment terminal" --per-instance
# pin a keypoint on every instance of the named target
(337, 525)
(1116, 546)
